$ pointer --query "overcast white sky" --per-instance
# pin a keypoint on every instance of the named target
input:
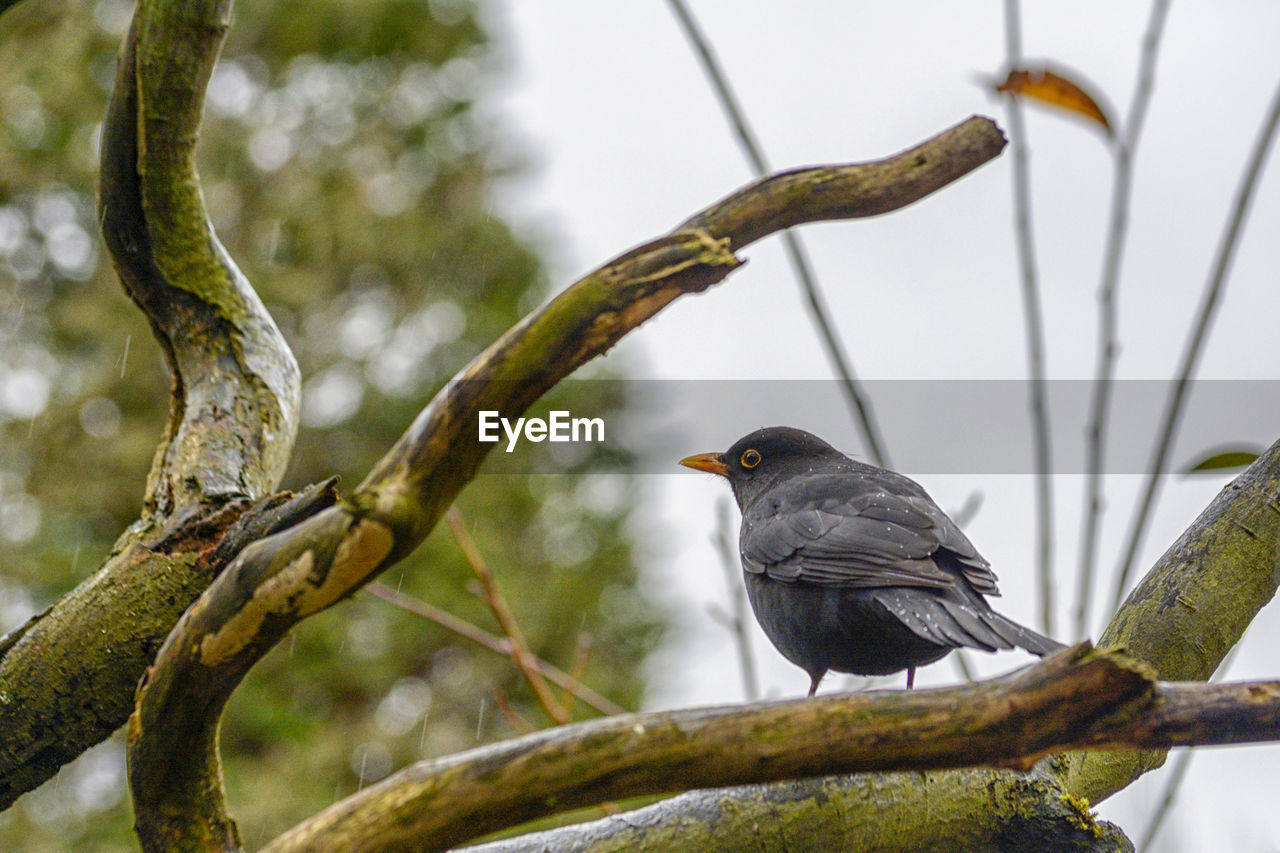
(626, 140)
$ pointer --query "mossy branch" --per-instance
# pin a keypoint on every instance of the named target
(233, 412)
(1077, 697)
(971, 810)
(1194, 605)
(68, 676)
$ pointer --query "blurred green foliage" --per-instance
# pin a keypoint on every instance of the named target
(346, 169)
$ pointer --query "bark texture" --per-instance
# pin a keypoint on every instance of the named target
(67, 677)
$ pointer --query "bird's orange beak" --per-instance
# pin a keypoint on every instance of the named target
(706, 462)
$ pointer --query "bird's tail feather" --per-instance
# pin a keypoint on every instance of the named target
(1023, 637)
(958, 624)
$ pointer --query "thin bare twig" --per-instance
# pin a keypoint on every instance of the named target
(968, 510)
(1178, 772)
(1108, 347)
(1195, 342)
(855, 395)
(962, 516)
(1042, 448)
(737, 618)
(519, 649)
(509, 712)
(494, 643)
(443, 618)
(577, 669)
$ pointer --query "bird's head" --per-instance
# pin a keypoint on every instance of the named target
(759, 459)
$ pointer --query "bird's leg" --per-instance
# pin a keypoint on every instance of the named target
(814, 680)
(911, 677)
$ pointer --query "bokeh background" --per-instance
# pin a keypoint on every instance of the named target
(403, 180)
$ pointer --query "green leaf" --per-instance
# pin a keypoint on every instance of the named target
(1223, 460)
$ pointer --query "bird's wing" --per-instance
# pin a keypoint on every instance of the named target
(872, 539)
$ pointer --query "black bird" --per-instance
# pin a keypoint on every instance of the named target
(854, 568)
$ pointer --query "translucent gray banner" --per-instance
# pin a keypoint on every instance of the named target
(928, 426)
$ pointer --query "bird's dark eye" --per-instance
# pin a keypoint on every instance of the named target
(750, 459)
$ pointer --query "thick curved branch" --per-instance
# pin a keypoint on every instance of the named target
(234, 409)
(69, 674)
(1194, 605)
(281, 580)
(1076, 698)
(440, 451)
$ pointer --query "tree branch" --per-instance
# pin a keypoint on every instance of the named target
(970, 810)
(69, 674)
(234, 409)
(1194, 605)
(1033, 320)
(1076, 698)
(1123, 153)
(278, 581)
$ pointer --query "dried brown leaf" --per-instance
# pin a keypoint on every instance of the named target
(1051, 87)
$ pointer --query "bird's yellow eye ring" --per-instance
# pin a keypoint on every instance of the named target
(750, 459)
